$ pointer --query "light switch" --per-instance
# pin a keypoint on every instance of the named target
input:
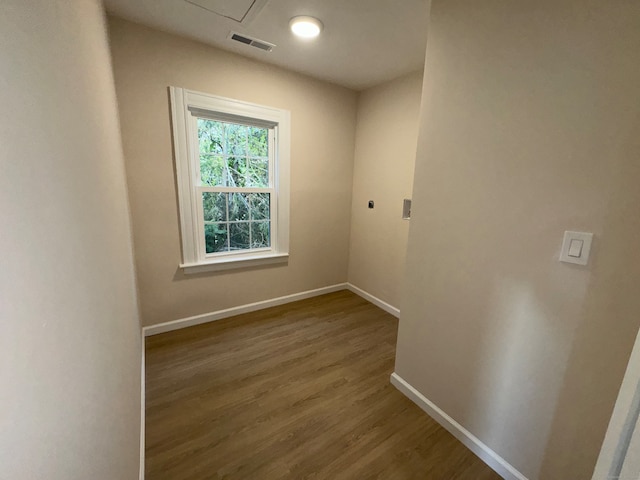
(576, 247)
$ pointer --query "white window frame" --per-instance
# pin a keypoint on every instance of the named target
(185, 104)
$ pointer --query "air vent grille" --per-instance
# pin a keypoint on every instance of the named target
(253, 42)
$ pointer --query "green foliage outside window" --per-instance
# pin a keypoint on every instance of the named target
(233, 155)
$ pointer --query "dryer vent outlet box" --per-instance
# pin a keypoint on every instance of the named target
(406, 209)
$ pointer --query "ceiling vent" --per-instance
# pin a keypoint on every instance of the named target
(254, 42)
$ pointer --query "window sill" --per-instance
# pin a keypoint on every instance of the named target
(232, 263)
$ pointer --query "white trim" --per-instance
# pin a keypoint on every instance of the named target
(488, 456)
(222, 263)
(623, 421)
(375, 300)
(142, 410)
(230, 312)
(183, 175)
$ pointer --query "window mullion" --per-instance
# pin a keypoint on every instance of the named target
(273, 200)
(250, 208)
(237, 189)
(228, 222)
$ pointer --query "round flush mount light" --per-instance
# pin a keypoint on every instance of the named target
(305, 27)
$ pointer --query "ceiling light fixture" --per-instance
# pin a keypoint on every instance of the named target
(305, 27)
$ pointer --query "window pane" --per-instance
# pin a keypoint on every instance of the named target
(260, 234)
(259, 203)
(239, 236)
(258, 172)
(215, 237)
(210, 136)
(237, 168)
(236, 139)
(238, 207)
(214, 206)
(213, 170)
(233, 155)
(258, 142)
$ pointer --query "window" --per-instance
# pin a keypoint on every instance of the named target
(232, 164)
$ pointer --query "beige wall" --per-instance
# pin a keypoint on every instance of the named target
(69, 332)
(323, 117)
(531, 126)
(386, 137)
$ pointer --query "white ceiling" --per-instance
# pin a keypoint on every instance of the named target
(364, 42)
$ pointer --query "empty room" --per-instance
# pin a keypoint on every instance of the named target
(295, 239)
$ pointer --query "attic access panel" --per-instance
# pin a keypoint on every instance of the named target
(240, 11)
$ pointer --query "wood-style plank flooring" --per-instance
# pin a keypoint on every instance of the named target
(299, 391)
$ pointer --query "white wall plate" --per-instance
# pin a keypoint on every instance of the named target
(576, 247)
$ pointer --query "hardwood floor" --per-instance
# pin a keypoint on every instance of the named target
(298, 391)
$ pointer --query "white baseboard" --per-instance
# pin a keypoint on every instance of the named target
(142, 411)
(375, 300)
(488, 456)
(230, 312)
